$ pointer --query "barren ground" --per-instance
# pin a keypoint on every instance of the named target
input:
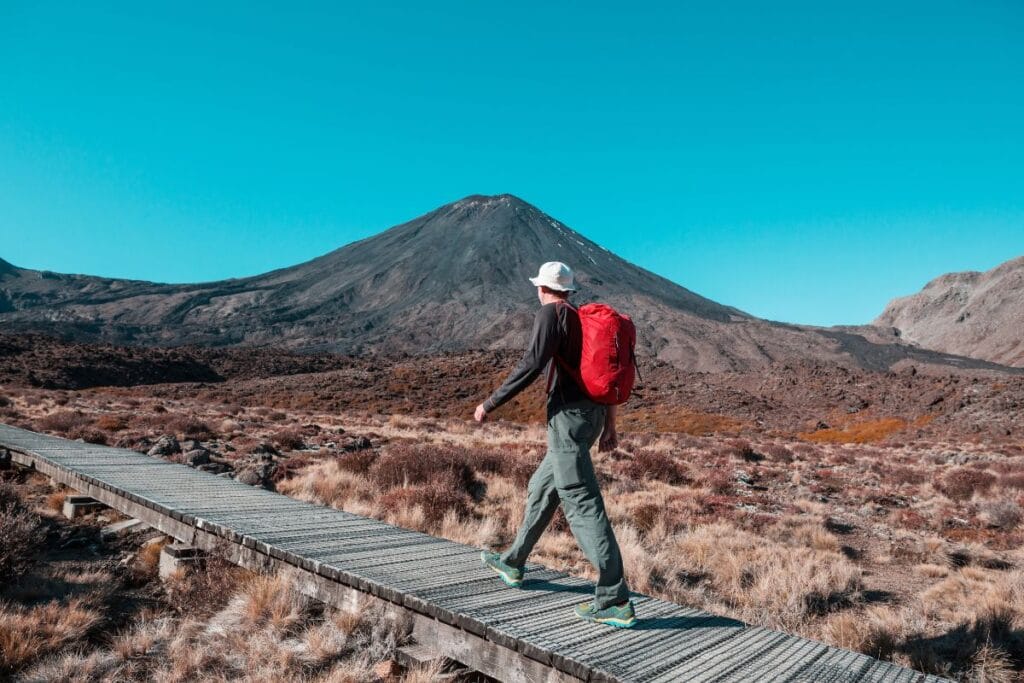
(878, 533)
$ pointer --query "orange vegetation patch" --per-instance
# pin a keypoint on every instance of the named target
(678, 420)
(859, 432)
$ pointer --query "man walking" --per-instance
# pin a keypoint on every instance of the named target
(566, 474)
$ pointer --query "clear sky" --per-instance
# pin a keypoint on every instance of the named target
(803, 161)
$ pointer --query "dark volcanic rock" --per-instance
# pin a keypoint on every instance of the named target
(196, 457)
(165, 445)
(257, 470)
(354, 443)
(265, 448)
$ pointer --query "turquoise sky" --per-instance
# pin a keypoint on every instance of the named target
(803, 161)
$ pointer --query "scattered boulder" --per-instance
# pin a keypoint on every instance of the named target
(196, 457)
(191, 445)
(165, 445)
(264, 449)
(214, 467)
(355, 443)
(257, 470)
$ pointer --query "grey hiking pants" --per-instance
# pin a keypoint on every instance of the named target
(566, 476)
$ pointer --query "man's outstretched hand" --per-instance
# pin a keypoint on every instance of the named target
(609, 440)
(609, 435)
(480, 415)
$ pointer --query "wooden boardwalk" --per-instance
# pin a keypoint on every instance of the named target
(456, 607)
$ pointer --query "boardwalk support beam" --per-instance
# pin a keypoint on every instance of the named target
(76, 506)
(178, 556)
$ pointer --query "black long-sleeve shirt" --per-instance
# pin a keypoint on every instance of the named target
(556, 331)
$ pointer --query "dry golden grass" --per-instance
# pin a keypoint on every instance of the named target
(867, 431)
(112, 422)
(991, 664)
(55, 501)
(148, 559)
(28, 633)
(266, 631)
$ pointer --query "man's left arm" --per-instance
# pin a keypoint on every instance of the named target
(543, 342)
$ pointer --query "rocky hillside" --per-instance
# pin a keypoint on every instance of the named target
(453, 279)
(970, 314)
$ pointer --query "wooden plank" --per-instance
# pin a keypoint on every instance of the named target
(779, 665)
(715, 662)
(794, 660)
(443, 602)
(584, 645)
(684, 640)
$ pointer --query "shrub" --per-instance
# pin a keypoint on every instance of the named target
(720, 481)
(404, 465)
(194, 428)
(741, 449)
(88, 434)
(963, 482)
(520, 468)
(21, 536)
(1001, 514)
(648, 464)
(111, 422)
(778, 452)
(905, 475)
(435, 499)
(63, 421)
(289, 439)
(1012, 481)
(204, 589)
(646, 516)
(357, 461)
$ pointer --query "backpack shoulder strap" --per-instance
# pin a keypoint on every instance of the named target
(556, 359)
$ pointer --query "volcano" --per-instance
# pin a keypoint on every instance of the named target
(453, 279)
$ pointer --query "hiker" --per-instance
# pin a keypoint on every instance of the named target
(566, 474)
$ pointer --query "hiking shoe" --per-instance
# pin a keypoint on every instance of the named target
(509, 574)
(619, 616)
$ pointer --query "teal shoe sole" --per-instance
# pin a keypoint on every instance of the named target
(509, 580)
(614, 622)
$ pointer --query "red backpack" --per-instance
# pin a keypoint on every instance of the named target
(608, 362)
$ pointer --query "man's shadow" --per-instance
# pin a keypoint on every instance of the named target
(662, 623)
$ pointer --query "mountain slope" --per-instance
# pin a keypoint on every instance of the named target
(970, 313)
(452, 279)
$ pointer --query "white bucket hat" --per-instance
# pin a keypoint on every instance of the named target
(555, 275)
